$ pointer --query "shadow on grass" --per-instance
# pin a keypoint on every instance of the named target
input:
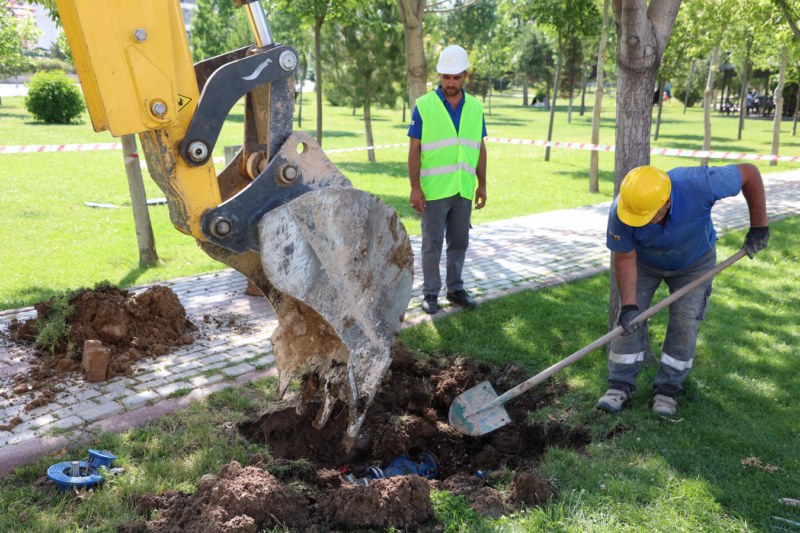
(130, 279)
(32, 295)
(27, 297)
(392, 169)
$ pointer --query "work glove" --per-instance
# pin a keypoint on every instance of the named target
(756, 240)
(626, 315)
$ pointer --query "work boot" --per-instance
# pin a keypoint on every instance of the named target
(665, 405)
(430, 304)
(612, 401)
(460, 297)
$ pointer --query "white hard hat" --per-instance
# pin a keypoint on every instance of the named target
(452, 60)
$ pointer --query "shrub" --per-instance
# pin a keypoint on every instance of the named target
(53, 63)
(53, 329)
(53, 98)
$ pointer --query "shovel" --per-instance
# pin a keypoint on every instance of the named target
(480, 410)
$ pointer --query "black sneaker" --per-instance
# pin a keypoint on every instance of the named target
(430, 304)
(461, 297)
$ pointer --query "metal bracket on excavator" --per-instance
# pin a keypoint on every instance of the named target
(335, 262)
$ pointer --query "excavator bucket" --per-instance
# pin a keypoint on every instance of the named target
(336, 264)
(343, 261)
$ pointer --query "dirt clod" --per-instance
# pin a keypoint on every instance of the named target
(115, 324)
(530, 488)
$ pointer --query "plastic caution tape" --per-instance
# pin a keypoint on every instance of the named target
(674, 152)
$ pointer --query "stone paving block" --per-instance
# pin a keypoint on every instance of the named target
(186, 365)
(10, 411)
(213, 358)
(44, 409)
(65, 423)
(170, 388)
(17, 438)
(238, 370)
(186, 376)
(243, 357)
(204, 381)
(153, 374)
(264, 361)
(113, 396)
(120, 387)
(153, 384)
(75, 409)
(101, 411)
(71, 397)
(140, 398)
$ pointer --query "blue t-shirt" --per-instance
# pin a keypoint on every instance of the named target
(688, 232)
(415, 129)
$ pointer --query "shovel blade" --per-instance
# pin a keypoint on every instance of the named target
(469, 414)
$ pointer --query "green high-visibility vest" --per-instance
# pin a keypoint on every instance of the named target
(449, 158)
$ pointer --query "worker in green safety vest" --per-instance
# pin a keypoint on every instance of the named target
(447, 169)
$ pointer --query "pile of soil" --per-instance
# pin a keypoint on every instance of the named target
(301, 485)
(131, 326)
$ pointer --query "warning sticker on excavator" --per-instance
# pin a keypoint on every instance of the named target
(183, 101)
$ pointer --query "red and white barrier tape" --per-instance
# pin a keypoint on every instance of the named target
(675, 152)
(711, 154)
(47, 148)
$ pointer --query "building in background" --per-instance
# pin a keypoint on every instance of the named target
(49, 32)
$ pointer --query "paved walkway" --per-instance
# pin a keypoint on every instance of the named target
(504, 257)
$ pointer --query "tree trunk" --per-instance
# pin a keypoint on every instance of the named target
(525, 92)
(660, 107)
(584, 82)
(489, 106)
(708, 103)
(688, 88)
(404, 111)
(748, 66)
(642, 36)
(796, 109)
(368, 131)
(141, 216)
(318, 75)
(411, 13)
(553, 104)
(571, 98)
(302, 83)
(594, 180)
(776, 123)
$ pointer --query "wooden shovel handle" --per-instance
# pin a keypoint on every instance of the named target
(616, 332)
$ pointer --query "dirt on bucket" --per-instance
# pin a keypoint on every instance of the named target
(128, 326)
(309, 481)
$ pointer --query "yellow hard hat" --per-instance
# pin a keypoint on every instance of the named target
(644, 191)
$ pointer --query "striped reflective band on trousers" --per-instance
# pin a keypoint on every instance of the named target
(447, 169)
(444, 143)
(630, 358)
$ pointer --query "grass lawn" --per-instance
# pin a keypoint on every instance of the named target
(722, 465)
(50, 241)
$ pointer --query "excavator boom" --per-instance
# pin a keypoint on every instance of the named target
(335, 262)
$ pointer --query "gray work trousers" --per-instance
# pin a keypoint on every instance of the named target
(677, 354)
(448, 218)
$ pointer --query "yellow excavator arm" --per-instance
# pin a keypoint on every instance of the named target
(335, 262)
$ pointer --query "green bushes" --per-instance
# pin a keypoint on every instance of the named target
(53, 63)
(53, 98)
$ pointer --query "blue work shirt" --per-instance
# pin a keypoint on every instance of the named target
(687, 232)
(415, 129)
